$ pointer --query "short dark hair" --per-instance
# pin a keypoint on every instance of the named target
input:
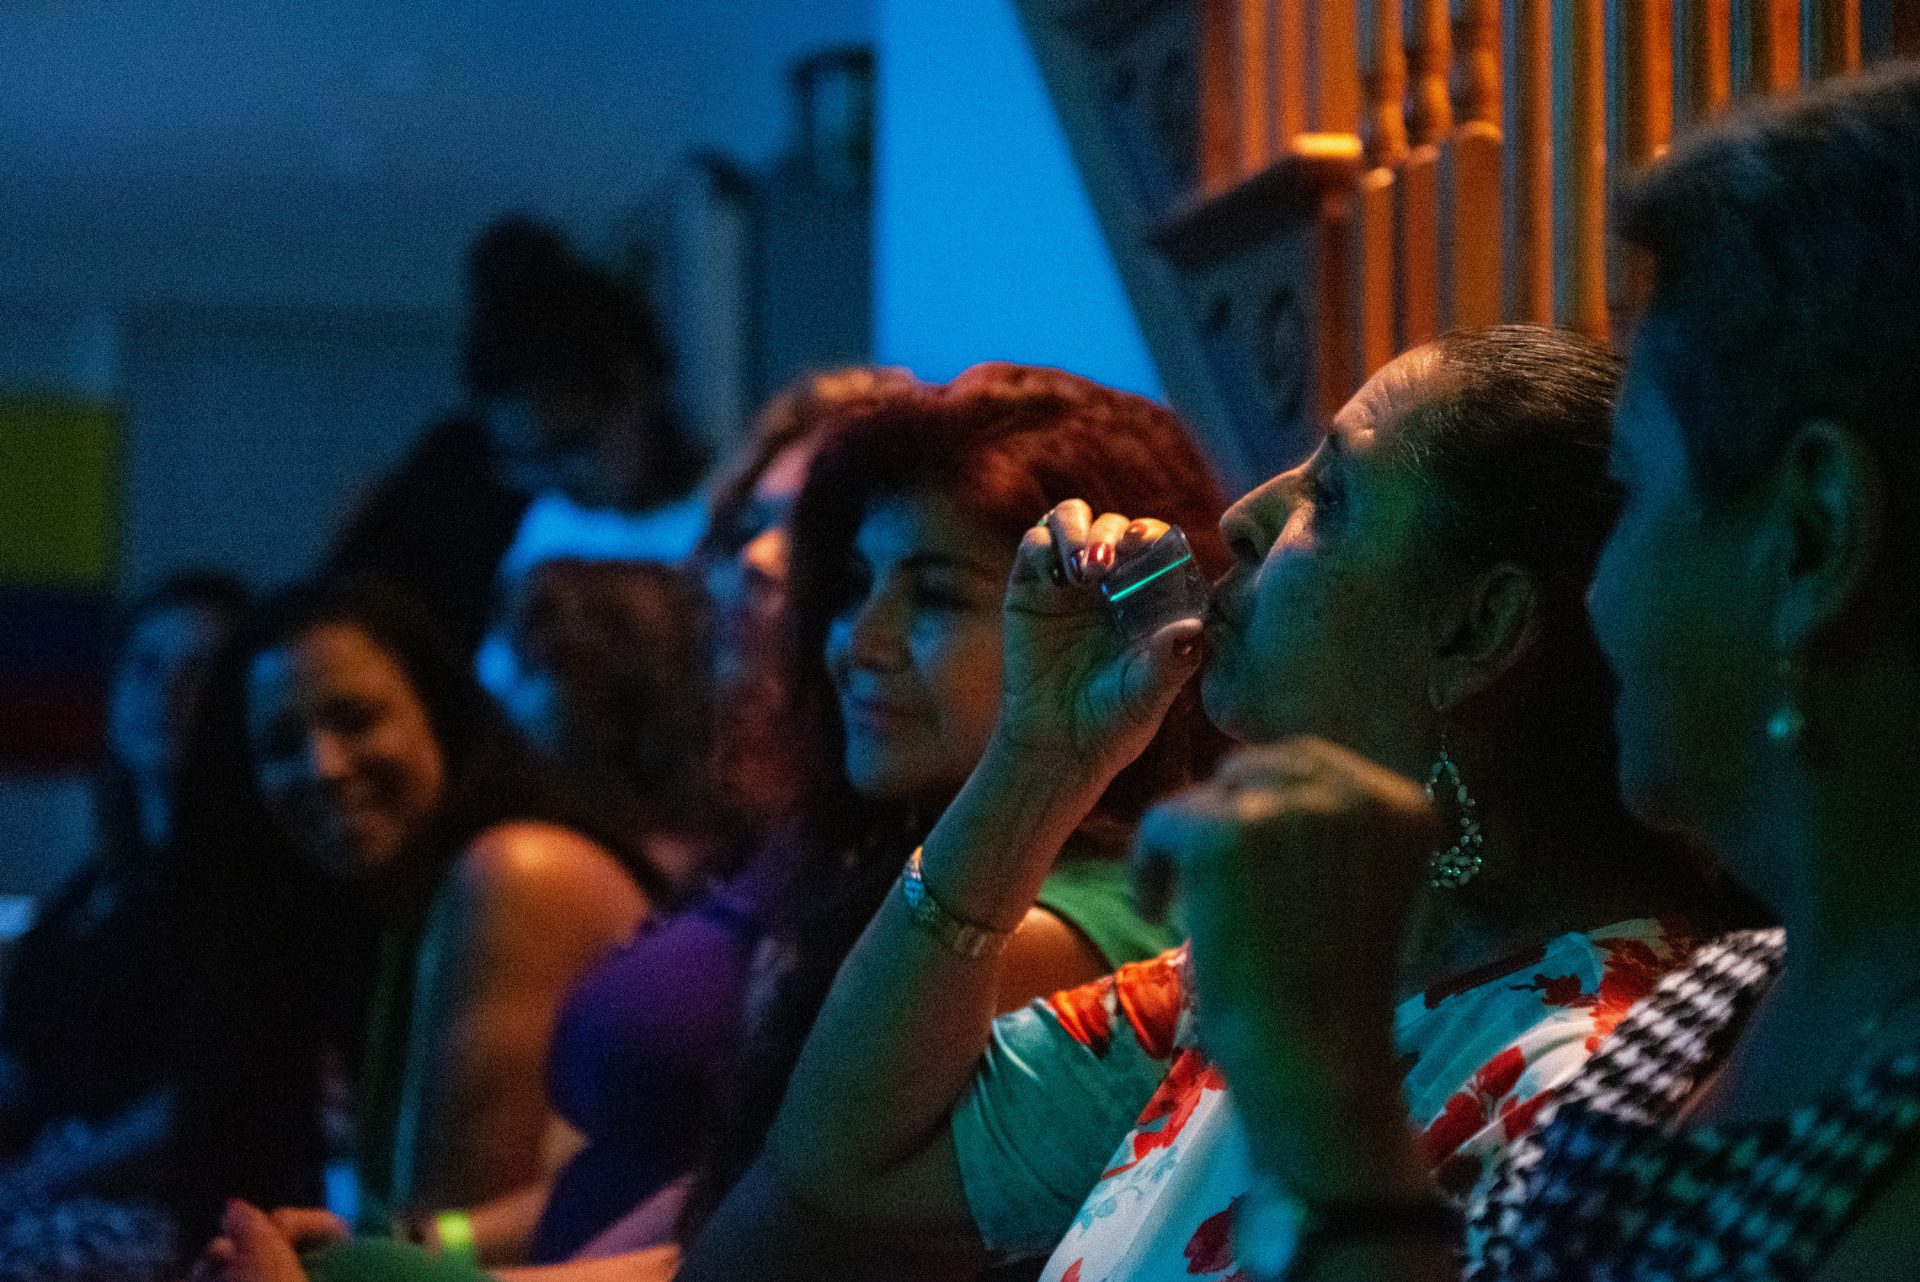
(544, 319)
(1511, 450)
(625, 643)
(1784, 243)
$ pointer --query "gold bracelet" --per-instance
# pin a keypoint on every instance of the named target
(956, 936)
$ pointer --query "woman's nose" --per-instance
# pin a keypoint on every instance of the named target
(1252, 524)
(327, 756)
(876, 635)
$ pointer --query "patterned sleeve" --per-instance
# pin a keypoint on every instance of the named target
(1061, 1083)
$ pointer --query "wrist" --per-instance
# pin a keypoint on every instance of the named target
(1328, 1133)
(986, 858)
(1281, 1236)
(1044, 767)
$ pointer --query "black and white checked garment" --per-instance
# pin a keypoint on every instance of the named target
(1602, 1189)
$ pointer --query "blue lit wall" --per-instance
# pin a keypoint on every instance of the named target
(986, 246)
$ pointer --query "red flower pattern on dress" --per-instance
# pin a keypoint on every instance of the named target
(1630, 971)
(1172, 1107)
(1474, 1106)
(1500, 1102)
(1517, 1115)
(1150, 994)
(1210, 1249)
(1084, 1016)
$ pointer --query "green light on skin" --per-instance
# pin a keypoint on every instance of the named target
(1126, 592)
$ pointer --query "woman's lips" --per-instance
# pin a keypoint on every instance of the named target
(873, 715)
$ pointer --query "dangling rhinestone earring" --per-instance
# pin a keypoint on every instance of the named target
(1788, 723)
(1455, 866)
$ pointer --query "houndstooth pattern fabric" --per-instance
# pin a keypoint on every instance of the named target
(1601, 1190)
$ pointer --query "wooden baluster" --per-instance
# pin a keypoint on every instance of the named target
(1530, 270)
(1332, 57)
(1706, 62)
(1773, 46)
(1335, 62)
(1290, 71)
(1834, 48)
(1644, 56)
(1336, 355)
(1643, 120)
(1580, 155)
(1471, 200)
(1429, 60)
(1219, 97)
(1384, 75)
(1253, 47)
(1430, 128)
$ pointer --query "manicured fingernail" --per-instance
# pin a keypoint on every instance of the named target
(1103, 555)
(1082, 563)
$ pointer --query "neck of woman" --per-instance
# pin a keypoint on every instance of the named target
(1828, 836)
(1533, 888)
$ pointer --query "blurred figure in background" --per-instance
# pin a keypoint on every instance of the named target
(428, 887)
(566, 444)
(643, 1047)
(610, 678)
(97, 993)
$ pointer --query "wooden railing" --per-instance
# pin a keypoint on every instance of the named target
(1477, 142)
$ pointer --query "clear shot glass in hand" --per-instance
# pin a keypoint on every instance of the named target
(1158, 585)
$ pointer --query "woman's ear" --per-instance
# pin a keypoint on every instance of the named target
(1486, 628)
(1827, 492)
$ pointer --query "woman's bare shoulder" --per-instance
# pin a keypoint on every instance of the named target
(525, 878)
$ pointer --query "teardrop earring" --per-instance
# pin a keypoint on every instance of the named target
(1455, 866)
(1788, 723)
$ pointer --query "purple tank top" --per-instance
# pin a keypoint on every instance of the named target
(641, 1052)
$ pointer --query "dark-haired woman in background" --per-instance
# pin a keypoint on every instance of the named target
(102, 990)
(391, 834)
(566, 443)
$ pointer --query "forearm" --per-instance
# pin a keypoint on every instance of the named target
(896, 1044)
(656, 1265)
(758, 1233)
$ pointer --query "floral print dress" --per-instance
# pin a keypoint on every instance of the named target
(1483, 1052)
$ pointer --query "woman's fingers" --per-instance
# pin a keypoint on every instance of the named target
(1068, 523)
(1140, 535)
(261, 1253)
(1102, 551)
(1084, 548)
(309, 1227)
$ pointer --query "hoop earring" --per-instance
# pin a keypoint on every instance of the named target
(1788, 722)
(1455, 866)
